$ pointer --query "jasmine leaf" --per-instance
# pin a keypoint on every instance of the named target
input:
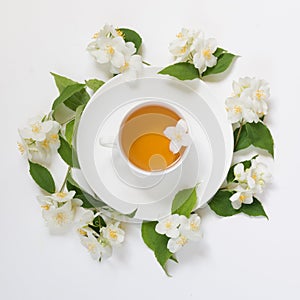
(42, 177)
(132, 214)
(67, 93)
(65, 151)
(69, 131)
(219, 51)
(221, 204)
(224, 61)
(80, 98)
(94, 84)
(184, 202)
(157, 243)
(254, 209)
(62, 82)
(88, 200)
(130, 35)
(256, 134)
(182, 71)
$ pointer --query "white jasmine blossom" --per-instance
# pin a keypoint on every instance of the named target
(95, 246)
(241, 197)
(113, 234)
(178, 135)
(203, 57)
(249, 101)
(175, 244)
(190, 227)
(169, 226)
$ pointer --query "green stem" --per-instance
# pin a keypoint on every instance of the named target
(145, 63)
(238, 135)
(65, 180)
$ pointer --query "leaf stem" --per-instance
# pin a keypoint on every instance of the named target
(238, 135)
(65, 180)
(145, 63)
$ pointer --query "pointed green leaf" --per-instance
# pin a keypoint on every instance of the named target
(182, 71)
(42, 177)
(130, 35)
(184, 202)
(256, 134)
(254, 209)
(223, 63)
(94, 84)
(221, 204)
(62, 82)
(219, 51)
(156, 242)
(68, 92)
(80, 98)
(65, 151)
(69, 131)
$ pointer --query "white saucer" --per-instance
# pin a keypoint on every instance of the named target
(207, 162)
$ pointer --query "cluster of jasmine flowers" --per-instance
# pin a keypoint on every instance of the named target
(99, 240)
(192, 46)
(40, 140)
(249, 101)
(248, 182)
(109, 48)
(180, 230)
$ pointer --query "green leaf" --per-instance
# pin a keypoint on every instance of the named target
(184, 202)
(68, 92)
(94, 84)
(182, 71)
(42, 177)
(80, 98)
(69, 131)
(65, 151)
(130, 35)
(254, 209)
(223, 63)
(256, 134)
(88, 200)
(219, 51)
(132, 214)
(221, 204)
(157, 243)
(62, 82)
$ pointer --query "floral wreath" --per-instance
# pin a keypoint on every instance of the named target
(99, 226)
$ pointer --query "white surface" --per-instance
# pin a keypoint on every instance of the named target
(207, 163)
(239, 257)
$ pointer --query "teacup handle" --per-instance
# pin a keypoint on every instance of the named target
(108, 142)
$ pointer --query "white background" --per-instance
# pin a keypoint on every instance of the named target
(239, 257)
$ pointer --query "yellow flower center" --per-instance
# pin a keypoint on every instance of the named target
(179, 35)
(81, 231)
(45, 143)
(96, 35)
(183, 49)
(207, 53)
(60, 218)
(21, 148)
(237, 109)
(178, 137)
(242, 198)
(182, 240)
(61, 194)
(36, 128)
(124, 67)
(260, 94)
(168, 225)
(113, 234)
(254, 176)
(45, 207)
(91, 247)
(120, 33)
(54, 137)
(110, 50)
(194, 226)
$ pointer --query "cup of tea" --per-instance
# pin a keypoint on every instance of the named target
(153, 138)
